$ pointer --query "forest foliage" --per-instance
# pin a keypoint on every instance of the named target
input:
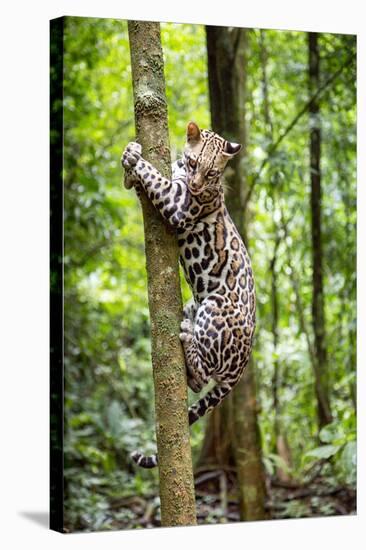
(109, 403)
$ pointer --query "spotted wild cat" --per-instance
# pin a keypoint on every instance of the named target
(218, 326)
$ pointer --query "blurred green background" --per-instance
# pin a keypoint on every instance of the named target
(109, 403)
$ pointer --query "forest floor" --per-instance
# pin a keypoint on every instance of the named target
(217, 502)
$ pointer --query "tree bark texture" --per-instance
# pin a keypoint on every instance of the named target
(218, 445)
(226, 49)
(320, 351)
(165, 302)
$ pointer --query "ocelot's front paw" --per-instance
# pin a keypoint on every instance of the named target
(131, 155)
(186, 331)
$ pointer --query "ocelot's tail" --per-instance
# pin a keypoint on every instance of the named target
(145, 461)
(204, 405)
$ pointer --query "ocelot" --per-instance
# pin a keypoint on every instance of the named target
(218, 326)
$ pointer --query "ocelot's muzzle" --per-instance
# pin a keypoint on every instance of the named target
(196, 185)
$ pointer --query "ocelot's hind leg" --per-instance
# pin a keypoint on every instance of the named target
(196, 378)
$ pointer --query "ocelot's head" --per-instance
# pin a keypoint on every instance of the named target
(205, 157)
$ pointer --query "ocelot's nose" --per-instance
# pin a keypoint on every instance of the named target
(196, 184)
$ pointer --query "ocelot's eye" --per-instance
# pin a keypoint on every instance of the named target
(192, 163)
(211, 173)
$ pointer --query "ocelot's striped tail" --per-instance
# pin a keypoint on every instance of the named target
(145, 461)
(210, 401)
(204, 405)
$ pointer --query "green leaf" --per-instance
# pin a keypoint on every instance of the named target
(330, 433)
(324, 451)
(348, 462)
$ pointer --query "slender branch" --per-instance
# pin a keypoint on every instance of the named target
(295, 286)
(105, 244)
(293, 123)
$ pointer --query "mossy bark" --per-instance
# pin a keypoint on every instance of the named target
(165, 302)
(227, 61)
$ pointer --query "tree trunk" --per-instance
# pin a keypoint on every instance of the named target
(165, 303)
(248, 450)
(217, 448)
(347, 297)
(280, 445)
(226, 49)
(320, 352)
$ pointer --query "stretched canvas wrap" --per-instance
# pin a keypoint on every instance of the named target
(242, 407)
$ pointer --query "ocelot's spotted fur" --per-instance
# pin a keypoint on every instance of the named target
(218, 326)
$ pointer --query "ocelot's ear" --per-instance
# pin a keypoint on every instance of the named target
(193, 133)
(231, 148)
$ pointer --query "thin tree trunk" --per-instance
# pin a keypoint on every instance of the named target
(165, 303)
(305, 109)
(273, 262)
(281, 446)
(248, 450)
(217, 447)
(346, 296)
(226, 49)
(296, 288)
(320, 365)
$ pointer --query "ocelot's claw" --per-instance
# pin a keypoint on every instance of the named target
(131, 155)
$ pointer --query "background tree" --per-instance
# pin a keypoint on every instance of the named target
(227, 51)
(320, 351)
